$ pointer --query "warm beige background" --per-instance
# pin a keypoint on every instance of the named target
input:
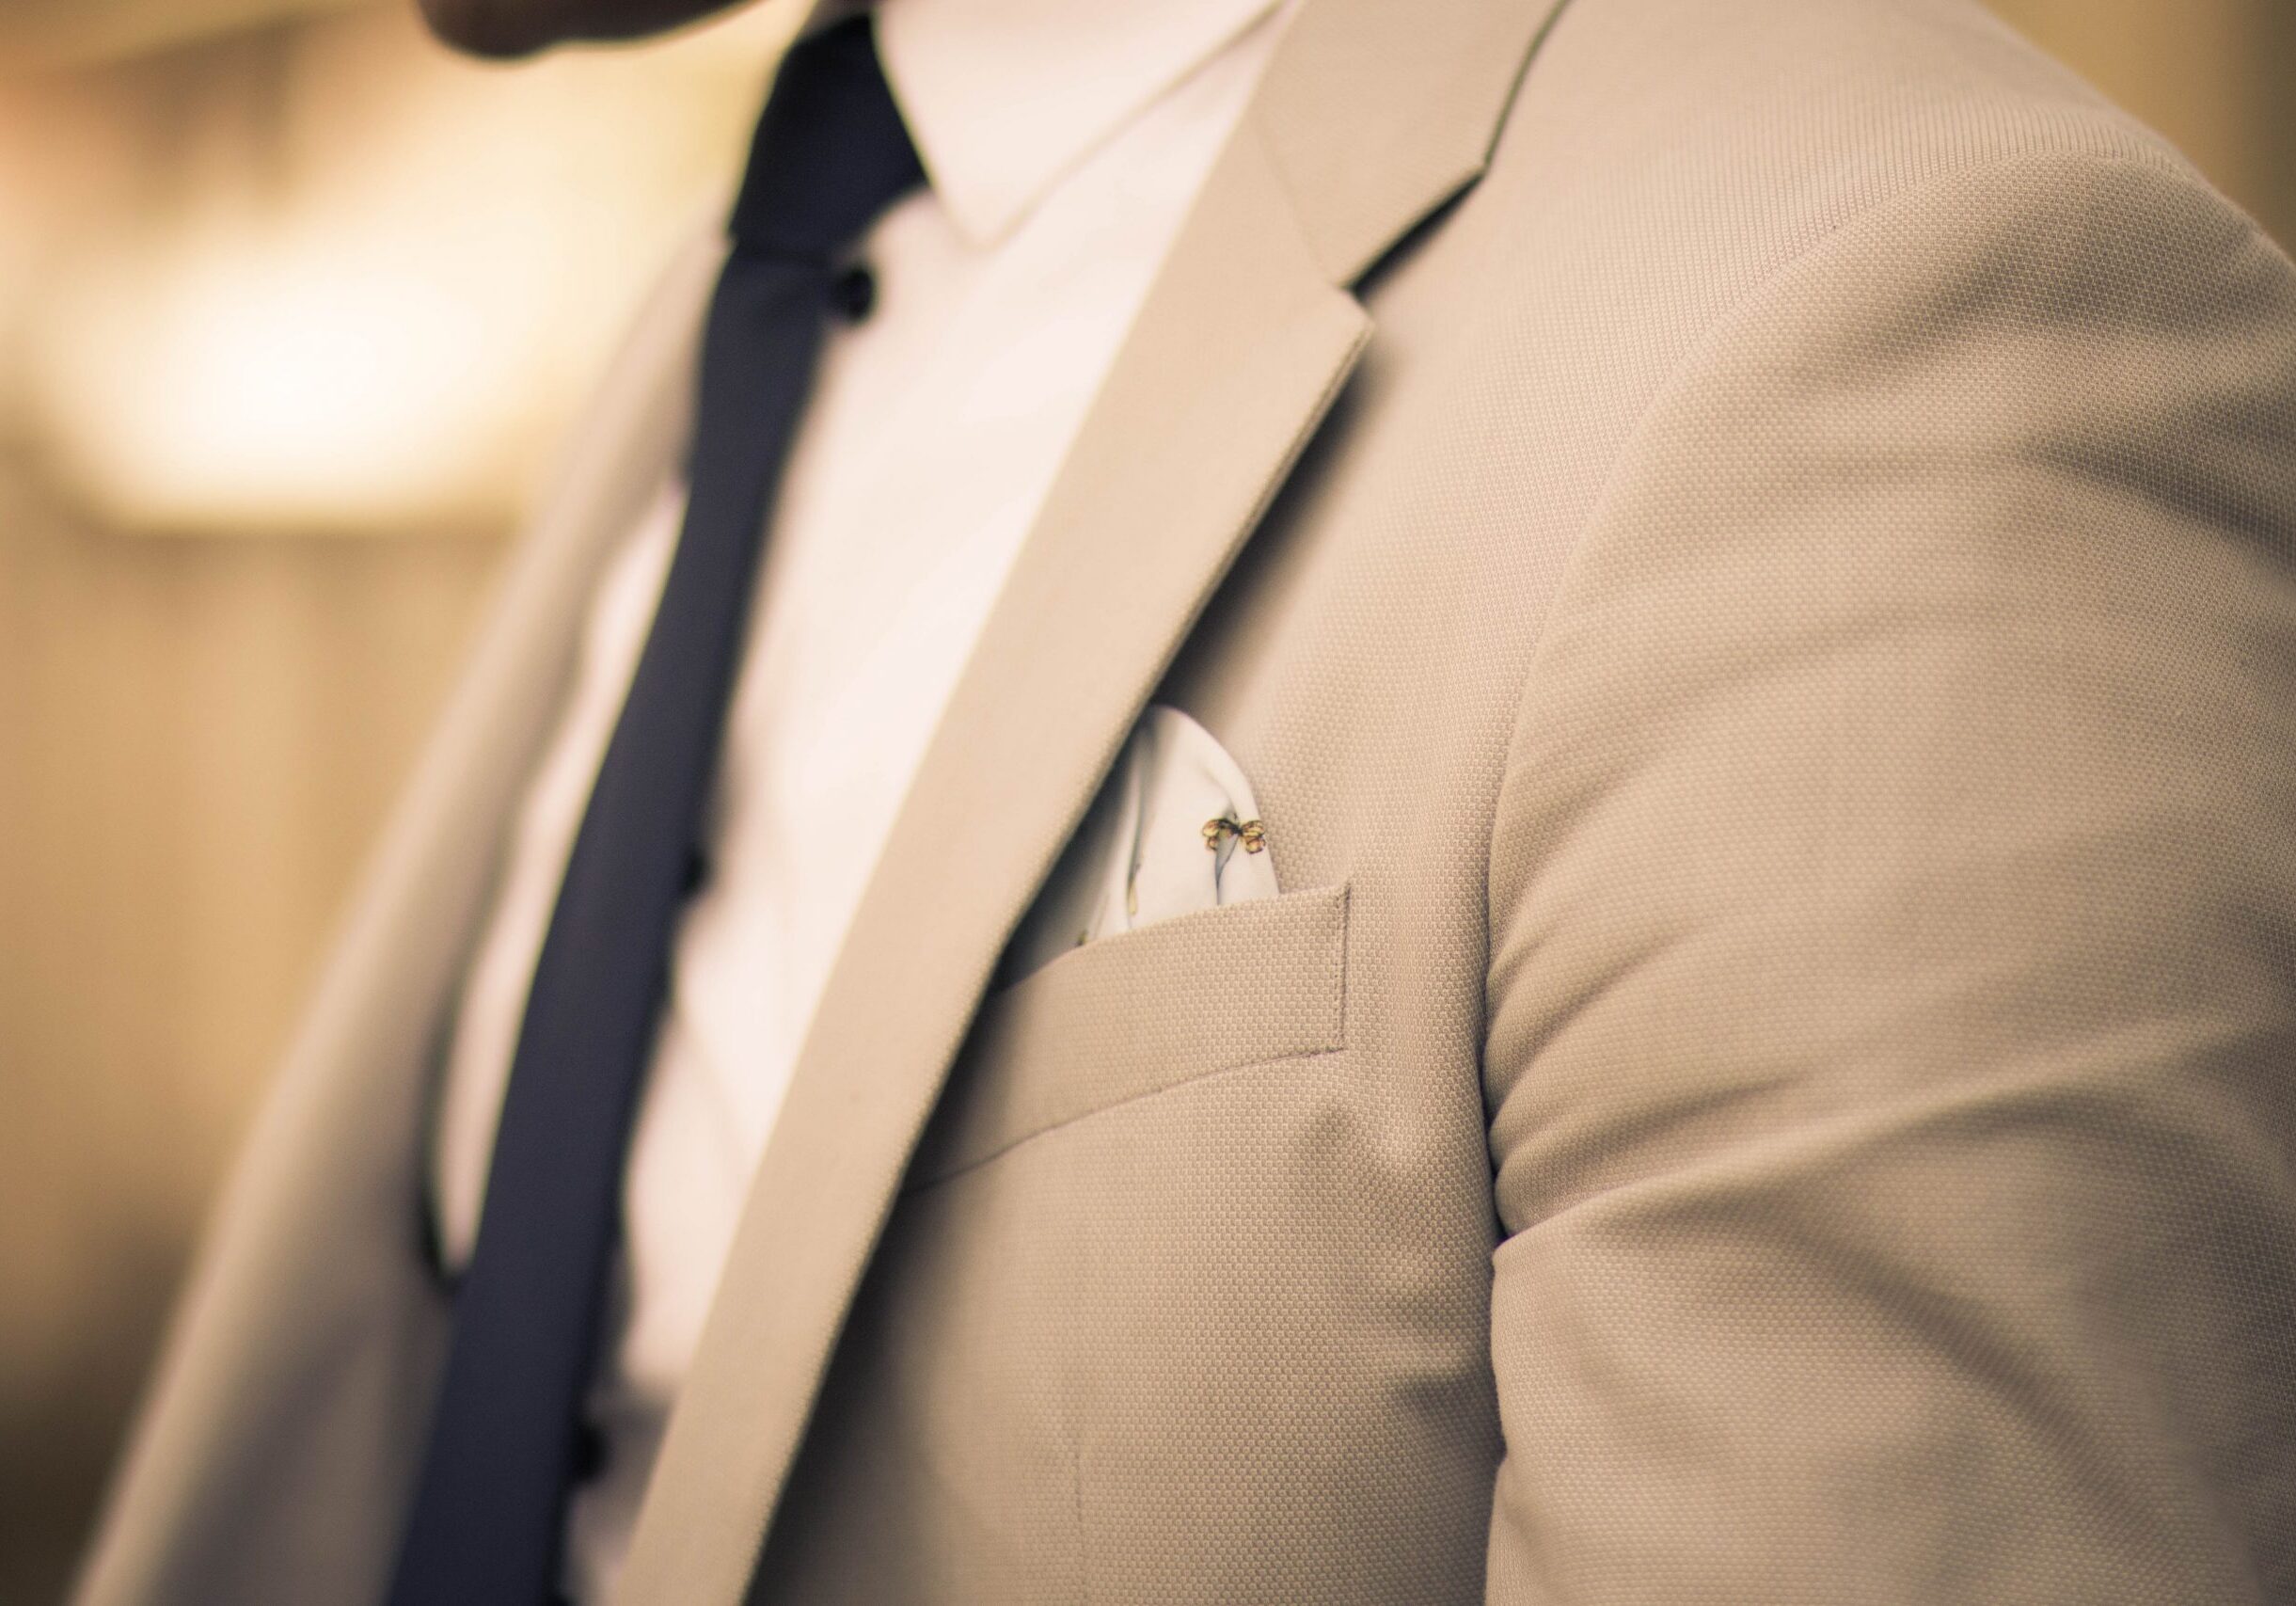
(289, 306)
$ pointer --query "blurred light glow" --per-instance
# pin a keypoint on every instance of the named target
(283, 383)
(372, 280)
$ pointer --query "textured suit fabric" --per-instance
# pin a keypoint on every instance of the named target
(1773, 692)
(1790, 646)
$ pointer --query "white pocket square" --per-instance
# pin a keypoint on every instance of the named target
(1175, 829)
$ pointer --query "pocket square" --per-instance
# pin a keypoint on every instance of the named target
(1175, 829)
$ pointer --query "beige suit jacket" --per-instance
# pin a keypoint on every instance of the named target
(1748, 548)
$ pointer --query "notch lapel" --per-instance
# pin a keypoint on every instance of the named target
(1371, 112)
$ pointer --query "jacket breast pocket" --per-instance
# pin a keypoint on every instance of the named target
(1134, 1014)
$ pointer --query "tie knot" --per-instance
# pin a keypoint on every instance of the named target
(831, 150)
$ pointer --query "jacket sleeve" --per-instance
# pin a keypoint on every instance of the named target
(1892, 1033)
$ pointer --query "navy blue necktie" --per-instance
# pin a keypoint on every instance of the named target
(489, 1510)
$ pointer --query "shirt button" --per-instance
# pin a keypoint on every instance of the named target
(852, 292)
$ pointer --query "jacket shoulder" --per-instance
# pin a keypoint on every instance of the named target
(1674, 174)
(1664, 159)
(1748, 129)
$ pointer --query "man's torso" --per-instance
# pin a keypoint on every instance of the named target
(1189, 1291)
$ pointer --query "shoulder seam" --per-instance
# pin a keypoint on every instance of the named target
(2159, 163)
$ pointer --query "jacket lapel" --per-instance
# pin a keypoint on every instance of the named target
(1368, 117)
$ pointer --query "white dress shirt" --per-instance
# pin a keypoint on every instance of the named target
(1063, 140)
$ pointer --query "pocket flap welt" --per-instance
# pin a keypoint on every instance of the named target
(1136, 1013)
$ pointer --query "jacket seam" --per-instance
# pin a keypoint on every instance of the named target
(1724, 325)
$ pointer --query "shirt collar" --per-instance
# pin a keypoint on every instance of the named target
(1004, 98)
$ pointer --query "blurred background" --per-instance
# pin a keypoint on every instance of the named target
(292, 307)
